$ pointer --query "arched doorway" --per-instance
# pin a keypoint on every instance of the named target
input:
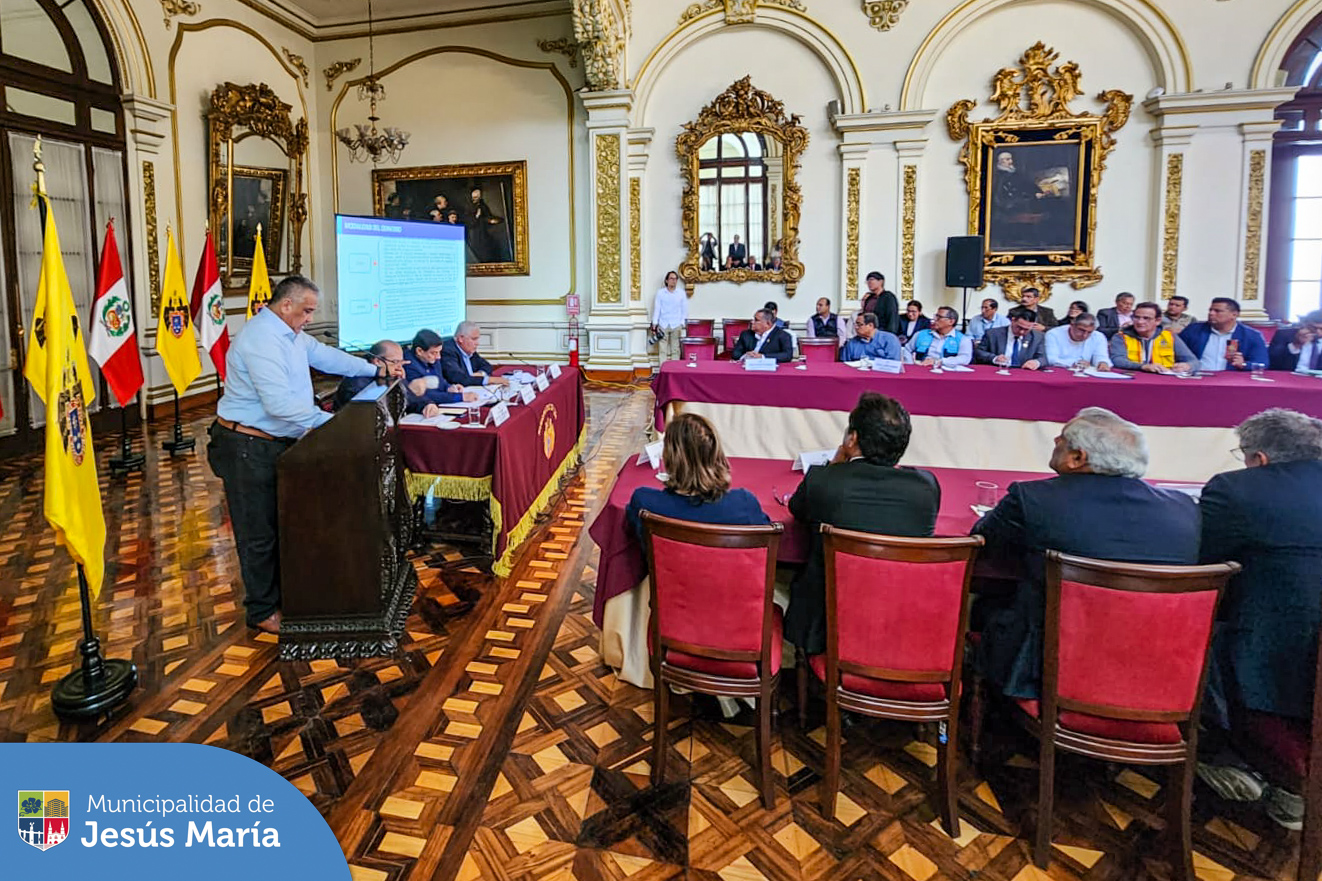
(59, 80)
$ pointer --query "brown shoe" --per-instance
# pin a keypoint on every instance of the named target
(270, 625)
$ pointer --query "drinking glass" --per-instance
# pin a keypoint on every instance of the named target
(693, 359)
(987, 494)
(1257, 368)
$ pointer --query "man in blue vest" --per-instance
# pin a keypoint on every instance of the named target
(941, 343)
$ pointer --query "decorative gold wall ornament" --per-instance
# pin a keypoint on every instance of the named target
(635, 238)
(338, 69)
(601, 40)
(608, 218)
(695, 9)
(852, 179)
(773, 220)
(1170, 230)
(1253, 224)
(564, 46)
(174, 8)
(297, 62)
(884, 14)
(238, 112)
(743, 109)
(907, 225)
(1040, 231)
(737, 11)
(153, 247)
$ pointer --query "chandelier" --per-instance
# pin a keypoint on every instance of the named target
(367, 143)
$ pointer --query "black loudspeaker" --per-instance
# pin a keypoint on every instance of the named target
(964, 262)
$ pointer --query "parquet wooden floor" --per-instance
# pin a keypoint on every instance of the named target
(497, 746)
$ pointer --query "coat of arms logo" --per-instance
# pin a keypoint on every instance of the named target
(43, 817)
(115, 317)
(176, 317)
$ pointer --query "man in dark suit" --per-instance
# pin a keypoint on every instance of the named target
(1266, 518)
(425, 375)
(764, 340)
(1112, 320)
(460, 362)
(738, 255)
(882, 303)
(1044, 318)
(864, 489)
(1099, 507)
(1298, 348)
(1018, 345)
(1221, 342)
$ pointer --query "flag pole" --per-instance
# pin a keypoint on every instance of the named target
(179, 444)
(127, 461)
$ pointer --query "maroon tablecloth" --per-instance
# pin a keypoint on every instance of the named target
(1220, 400)
(522, 457)
(622, 565)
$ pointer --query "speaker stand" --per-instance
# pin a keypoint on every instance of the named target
(965, 311)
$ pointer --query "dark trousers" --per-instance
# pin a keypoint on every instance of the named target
(246, 465)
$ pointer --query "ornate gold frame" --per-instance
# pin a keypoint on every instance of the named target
(1034, 104)
(743, 108)
(253, 110)
(272, 237)
(518, 170)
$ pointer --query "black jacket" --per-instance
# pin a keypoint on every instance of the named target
(452, 365)
(1269, 520)
(886, 308)
(778, 345)
(852, 495)
(997, 341)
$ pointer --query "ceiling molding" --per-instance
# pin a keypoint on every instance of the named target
(465, 13)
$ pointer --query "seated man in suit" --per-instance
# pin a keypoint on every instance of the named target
(1298, 348)
(863, 488)
(1265, 518)
(1111, 321)
(941, 343)
(738, 255)
(1018, 345)
(1221, 342)
(913, 321)
(1145, 345)
(764, 340)
(389, 354)
(1044, 317)
(870, 342)
(422, 373)
(1099, 507)
(460, 362)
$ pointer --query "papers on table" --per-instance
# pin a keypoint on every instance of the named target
(520, 377)
(956, 368)
(1106, 374)
(484, 394)
(651, 454)
(809, 458)
(444, 421)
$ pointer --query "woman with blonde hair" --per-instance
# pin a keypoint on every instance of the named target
(697, 488)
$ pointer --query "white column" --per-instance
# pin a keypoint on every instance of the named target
(640, 282)
(909, 155)
(1254, 187)
(853, 165)
(608, 323)
(1172, 143)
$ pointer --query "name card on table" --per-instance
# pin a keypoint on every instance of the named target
(526, 394)
(766, 365)
(500, 413)
(886, 365)
(809, 458)
(555, 371)
(542, 382)
(651, 454)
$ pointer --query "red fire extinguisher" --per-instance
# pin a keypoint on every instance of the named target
(571, 306)
(573, 351)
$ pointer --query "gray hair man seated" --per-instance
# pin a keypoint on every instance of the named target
(460, 362)
(390, 354)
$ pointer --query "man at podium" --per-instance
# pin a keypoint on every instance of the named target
(267, 406)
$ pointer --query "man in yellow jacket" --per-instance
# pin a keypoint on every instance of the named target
(1144, 345)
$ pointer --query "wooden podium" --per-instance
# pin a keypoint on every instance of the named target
(345, 527)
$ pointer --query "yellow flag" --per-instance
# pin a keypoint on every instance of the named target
(259, 285)
(175, 341)
(57, 368)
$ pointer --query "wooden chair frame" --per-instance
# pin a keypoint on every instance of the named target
(761, 687)
(944, 712)
(1181, 757)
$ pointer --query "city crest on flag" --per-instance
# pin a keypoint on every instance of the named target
(43, 817)
(176, 318)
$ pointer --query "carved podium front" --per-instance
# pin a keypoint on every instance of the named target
(346, 585)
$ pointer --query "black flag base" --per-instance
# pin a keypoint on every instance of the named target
(180, 444)
(127, 460)
(100, 685)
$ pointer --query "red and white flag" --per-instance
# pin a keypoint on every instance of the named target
(209, 308)
(111, 341)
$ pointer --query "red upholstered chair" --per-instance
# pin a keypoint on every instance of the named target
(730, 330)
(702, 346)
(714, 635)
(698, 327)
(893, 651)
(1123, 664)
(818, 349)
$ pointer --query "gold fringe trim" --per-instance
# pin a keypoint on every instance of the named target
(524, 527)
(448, 486)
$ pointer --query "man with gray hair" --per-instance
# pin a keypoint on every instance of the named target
(1097, 506)
(460, 362)
(1268, 518)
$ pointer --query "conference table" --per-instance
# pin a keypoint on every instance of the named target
(982, 419)
(515, 467)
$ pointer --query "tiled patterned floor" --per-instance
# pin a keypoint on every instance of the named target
(496, 746)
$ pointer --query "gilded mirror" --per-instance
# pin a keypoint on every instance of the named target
(741, 202)
(256, 157)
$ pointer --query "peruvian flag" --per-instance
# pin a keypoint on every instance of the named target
(209, 308)
(111, 341)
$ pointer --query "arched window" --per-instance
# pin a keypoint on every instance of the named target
(58, 79)
(732, 194)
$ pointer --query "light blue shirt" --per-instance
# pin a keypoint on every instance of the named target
(978, 326)
(1214, 353)
(883, 344)
(468, 365)
(267, 382)
(1063, 351)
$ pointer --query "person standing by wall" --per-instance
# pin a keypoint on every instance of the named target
(670, 311)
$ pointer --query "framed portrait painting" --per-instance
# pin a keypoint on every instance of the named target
(490, 201)
(258, 199)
